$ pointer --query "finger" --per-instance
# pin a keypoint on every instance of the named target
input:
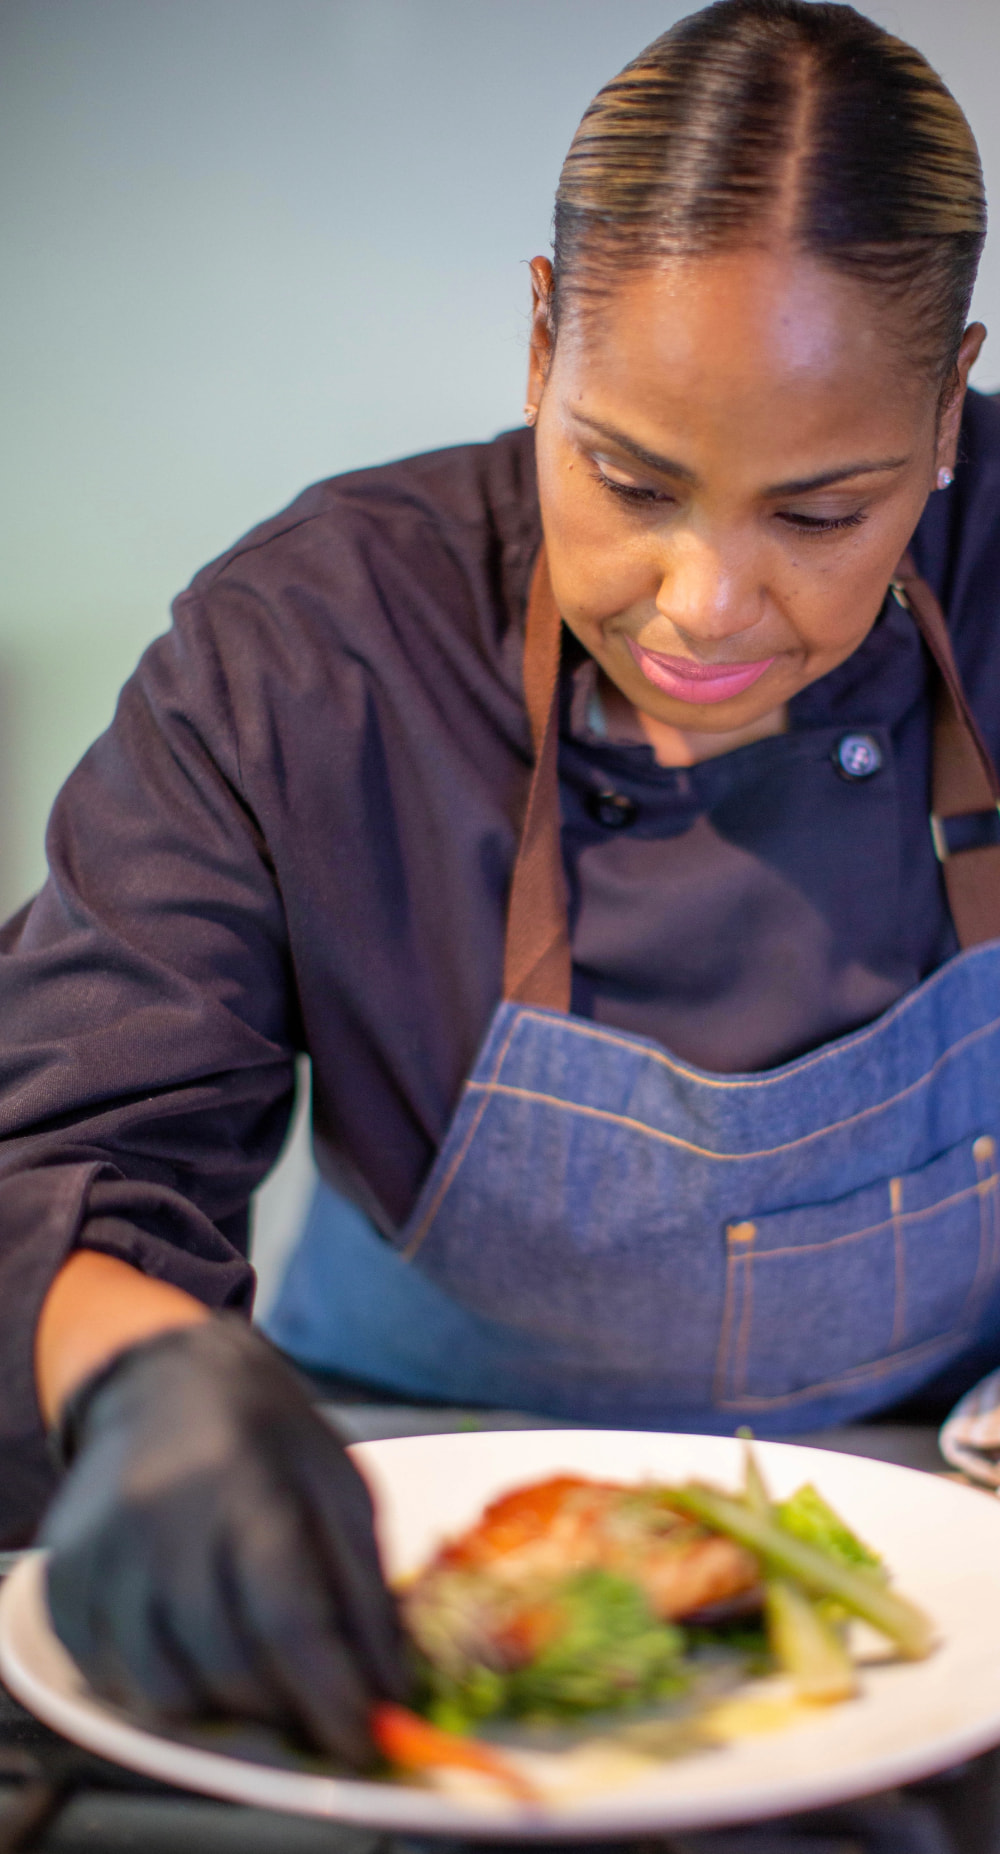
(152, 1625)
(289, 1613)
(114, 1640)
(98, 1588)
(343, 1537)
(197, 1599)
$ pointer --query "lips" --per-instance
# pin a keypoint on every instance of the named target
(696, 682)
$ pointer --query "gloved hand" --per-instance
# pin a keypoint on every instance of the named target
(212, 1545)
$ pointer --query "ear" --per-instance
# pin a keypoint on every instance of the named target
(540, 355)
(953, 399)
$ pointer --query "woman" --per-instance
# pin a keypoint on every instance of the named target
(710, 1135)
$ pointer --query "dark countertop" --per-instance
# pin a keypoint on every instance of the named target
(58, 1800)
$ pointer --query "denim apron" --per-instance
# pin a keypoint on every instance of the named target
(611, 1235)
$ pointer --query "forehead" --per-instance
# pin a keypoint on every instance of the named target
(764, 353)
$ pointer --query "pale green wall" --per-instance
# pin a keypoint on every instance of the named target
(244, 243)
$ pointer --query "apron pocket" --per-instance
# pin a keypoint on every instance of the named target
(830, 1294)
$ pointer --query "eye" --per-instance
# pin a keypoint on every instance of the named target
(821, 524)
(629, 492)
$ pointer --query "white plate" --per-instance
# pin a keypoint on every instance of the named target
(941, 1540)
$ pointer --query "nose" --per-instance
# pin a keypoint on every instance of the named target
(706, 596)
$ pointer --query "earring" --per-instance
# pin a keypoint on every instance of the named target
(945, 477)
(530, 414)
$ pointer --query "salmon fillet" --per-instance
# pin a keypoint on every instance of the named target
(492, 1595)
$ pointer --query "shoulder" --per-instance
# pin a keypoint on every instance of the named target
(957, 549)
(957, 542)
(374, 596)
(465, 514)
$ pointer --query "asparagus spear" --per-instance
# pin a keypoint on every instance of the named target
(806, 1645)
(803, 1640)
(786, 1556)
(755, 1491)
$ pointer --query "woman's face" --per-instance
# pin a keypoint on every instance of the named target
(732, 457)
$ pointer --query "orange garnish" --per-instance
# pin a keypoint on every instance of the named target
(411, 1743)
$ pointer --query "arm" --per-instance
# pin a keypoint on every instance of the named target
(211, 1543)
(146, 1056)
(95, 1308)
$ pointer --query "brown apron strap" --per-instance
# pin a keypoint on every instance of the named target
(538, 958)
(963, 779)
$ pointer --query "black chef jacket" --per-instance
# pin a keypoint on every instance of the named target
(298, 833)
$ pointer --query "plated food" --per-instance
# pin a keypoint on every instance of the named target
(573, 1601)
(637, 1773)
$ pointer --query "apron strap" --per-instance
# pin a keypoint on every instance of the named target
(963, 778)
(537, 954)
(538, 965)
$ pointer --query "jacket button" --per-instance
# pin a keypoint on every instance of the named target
(857, 756)
(612, 809)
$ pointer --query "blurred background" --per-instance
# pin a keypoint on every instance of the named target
(249, 243)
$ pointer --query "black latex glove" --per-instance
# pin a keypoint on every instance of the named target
(212, 1545)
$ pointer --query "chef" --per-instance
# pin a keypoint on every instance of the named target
(609, 811)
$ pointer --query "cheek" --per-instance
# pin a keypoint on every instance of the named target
(600, 563)
(571, 501)
(836, 618)
(575, 507)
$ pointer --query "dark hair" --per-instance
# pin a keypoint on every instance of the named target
(763, 119)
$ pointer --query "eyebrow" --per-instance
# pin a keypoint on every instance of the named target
(799, 486)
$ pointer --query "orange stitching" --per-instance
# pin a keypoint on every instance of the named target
(876, 1368)
(985, 1266)
(879, 1368)
(741, 1361)
(422, 1230)
(581, 1028)
(981, 1275)
(995, 1226)
(941, 1203)
(898, 1312)
(722, 1354)
(988, 1186)
(703, 1152)
(504, 1047)
(870, 1229)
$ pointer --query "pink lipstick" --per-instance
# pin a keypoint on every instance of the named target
(696, 682)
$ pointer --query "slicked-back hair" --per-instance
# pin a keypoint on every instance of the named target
(770, 121)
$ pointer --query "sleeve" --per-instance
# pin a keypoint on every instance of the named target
(148, 1022)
